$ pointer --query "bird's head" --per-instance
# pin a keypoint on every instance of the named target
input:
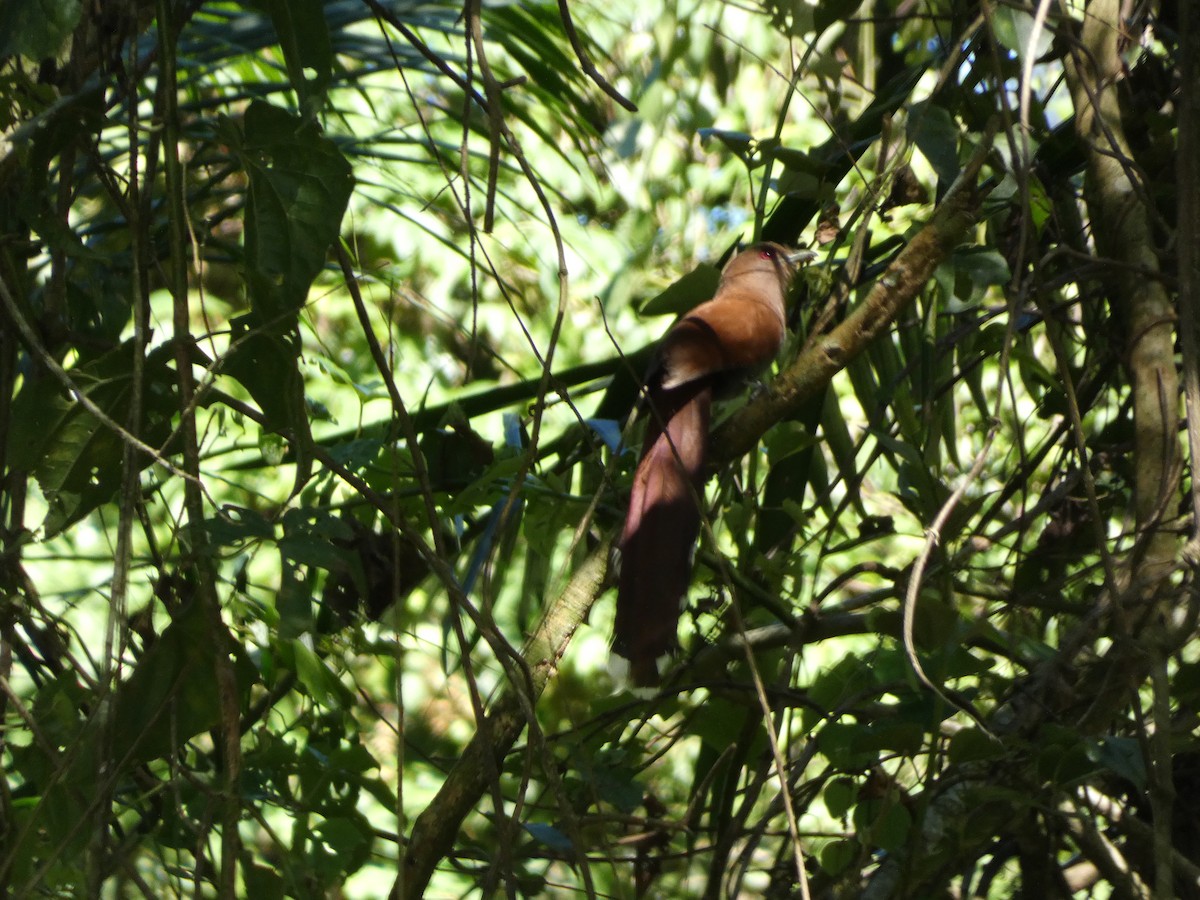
(767, 258)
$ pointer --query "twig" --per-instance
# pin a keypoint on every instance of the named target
(585, 61)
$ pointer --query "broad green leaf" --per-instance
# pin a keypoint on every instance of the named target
(264, 358)
(294, 601)
(839, 796)
(841, 743)
(741, 144)
(1063, 756)
(691, 290)
(837, 855)
(791, 451)
(1122, 755)
(830, 12)
(885, 822)
(263, 882)
(304, 38)
(317, 679)
(344, 845)
(985, 267)
(299, 186)
(1013, 28)
(77, 460)
(36, 28)
(972, 745)
(936, 135)
(550, 836)
(172, 694)
(236, 525)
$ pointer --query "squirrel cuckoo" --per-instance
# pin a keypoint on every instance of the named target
(708, 352)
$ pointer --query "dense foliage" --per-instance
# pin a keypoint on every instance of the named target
(321, 324)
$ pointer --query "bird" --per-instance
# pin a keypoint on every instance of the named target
(707, 354)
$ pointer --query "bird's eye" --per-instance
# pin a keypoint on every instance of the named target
(767, 252)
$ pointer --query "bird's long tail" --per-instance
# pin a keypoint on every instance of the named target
(661, 528)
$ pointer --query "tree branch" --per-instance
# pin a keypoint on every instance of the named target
(435, 829)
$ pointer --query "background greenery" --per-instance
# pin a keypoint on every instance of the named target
(320, 326)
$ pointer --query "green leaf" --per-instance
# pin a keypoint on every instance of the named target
(689, 291)
(837, 855)
(173, 693)
(36, 28)
(972, 745)
(171, 696)
(790, 449)
(300, 184)
(311, 550)
(985, 267)
(830, 12)
(786, 440)
(1123, 756)
(264, 358)
(294, 600)
(839, 796)
(868, 738)
(304, 39)
(236, 525)
(345, 845)
(848, 677)
(936, 134)
(263, 883)
(550, 836)
(318, 680)
(889, 831)
(299, 187)
(1013, 28)
(530, 34)
(839, 743)
(840, 443)
(798, 162)
(1063, 756)
(740, 143)
(607, 773)
(77, 460)
(718, 722)
(455, 456)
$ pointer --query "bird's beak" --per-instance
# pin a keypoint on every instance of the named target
(801, 256)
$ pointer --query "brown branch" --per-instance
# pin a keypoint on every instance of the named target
(585, 61)
(1187, 240)
(1117, 205)
(1121, 218)
(435, 829)
(473, 12)
(1099, 848)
